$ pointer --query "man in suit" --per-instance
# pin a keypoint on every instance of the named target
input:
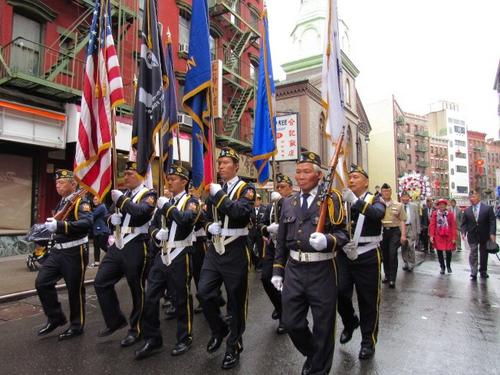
(412, 231)
(256, 242)
(425, 219)
(479, 224)
(457, 212)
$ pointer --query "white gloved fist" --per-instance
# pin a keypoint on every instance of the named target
(161, 202)
(318, 241)
(214, 189)
(273, 228)
(277, 281)
(51, 224)
(115, 195)
(116, 219)
(348, 195)
(275, 196)
(214, 228)
(162, 235)
(350, 249)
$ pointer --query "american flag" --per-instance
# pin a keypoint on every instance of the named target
(102, 91)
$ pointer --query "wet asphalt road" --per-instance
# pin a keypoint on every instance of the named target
(430, 324)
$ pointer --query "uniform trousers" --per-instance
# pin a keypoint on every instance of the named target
(390, 244)
(198, 254)
(231, 268)
(311, 285)
(131, 262)
(266, 275)
(179, 271)
(364, 274)
(69, 264)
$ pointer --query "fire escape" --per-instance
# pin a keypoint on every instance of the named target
(56, 70)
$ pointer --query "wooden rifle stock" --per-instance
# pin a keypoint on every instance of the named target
(327, 184)
(70, 205)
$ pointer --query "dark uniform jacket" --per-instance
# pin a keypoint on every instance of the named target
(78, 223)
(374, 213)
(296, 226)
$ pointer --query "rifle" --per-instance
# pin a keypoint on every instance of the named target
(64, 212)
(327, 183)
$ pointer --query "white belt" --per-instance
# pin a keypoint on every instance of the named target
(67, 245)
(300, 256)
(183, 243)
(227, 232)
(367, 247)
(370, 239)
(135, 230)
(200, 233)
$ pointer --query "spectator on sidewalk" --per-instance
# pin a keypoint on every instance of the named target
(425, 219)
(100, 230)
(412, 232)
(457, 212)
(443, 234)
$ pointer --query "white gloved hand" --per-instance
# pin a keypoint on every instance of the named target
(116, 219)
(273, 228)
(161, 202)
(275, 196)
(318, 241)
(51, 224)
(350, 250)
(348, 195)
(115, 195)
(162, 235)
(277, 281)
(214, 228)
(214, 189)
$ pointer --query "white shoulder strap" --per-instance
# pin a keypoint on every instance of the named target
(173, 228)
(231, 196)
(361, 221)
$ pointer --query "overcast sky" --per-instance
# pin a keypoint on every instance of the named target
(422, 51)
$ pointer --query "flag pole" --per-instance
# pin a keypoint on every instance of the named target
(118, 232)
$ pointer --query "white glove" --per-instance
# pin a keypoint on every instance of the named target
(161, 202)
(51, 224)
(116, 219)
(115, 195)
(162, 234)
(350, 250)
(214, 228)
(277, 281)
(214, 189)
(275, 196)
(318, 241)
(349, 196)
(273, 228)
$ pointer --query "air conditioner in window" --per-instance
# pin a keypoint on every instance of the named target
(184, 47)
(184, 119)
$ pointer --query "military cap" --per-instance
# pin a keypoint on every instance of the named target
(385, 186)
(131, 166)
(282, 178)
(178, 171)
(63, 173)
(309, 157)
(229, 153)
(357, 169)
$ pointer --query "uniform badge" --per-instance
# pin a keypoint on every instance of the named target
(150, 200)
(192, 207)
(250, 194)
(85, 207)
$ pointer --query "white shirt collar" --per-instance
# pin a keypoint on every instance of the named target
(137, 189)
(312, 193)
(232, 182)
(179, 196)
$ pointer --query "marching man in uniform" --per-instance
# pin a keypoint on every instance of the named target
(68, 258)
(310, 273)
(228, 258)
(175, 241)
(359, 263)
(127, 257)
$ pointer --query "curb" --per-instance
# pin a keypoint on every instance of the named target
(32, 292)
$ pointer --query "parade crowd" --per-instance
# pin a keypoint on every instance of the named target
(163, 244)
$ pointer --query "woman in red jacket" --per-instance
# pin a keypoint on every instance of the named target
(443, 233)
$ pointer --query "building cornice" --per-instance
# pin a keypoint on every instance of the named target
(35, 8)
(297, 88)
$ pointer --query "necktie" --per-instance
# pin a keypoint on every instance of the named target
(474, 210)
(224, 188)
(305, 205)
(172, 201)
(408, 221)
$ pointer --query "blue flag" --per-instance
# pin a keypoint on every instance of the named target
(264, 136)
(196, 100)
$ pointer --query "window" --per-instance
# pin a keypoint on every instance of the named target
(461, 155)
(452, 171)
(408, 144)
(408, 157)
(213, 48)
(459, 143)
(184, 27)
(347, 92)
(462, 189)
(25, 56)
(461, 169)
(459, 129)
(451, 157)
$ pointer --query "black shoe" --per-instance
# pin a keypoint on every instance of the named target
(50, 326)
(275, 315)
(129, 340)
(109, 331)
(231, 359)
(442, 271)
(281, 328)
(406, 268)
(366, 352)
(473, 277)
(449, 269)
(70, 333)
(215, 341)
(306, 369)
(346, 334)
(484, 275)
(198, 309)
(150, 347)
(182, 347)
(392, 284)
(384, 281)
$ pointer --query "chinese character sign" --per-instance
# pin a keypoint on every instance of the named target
(287, 137)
